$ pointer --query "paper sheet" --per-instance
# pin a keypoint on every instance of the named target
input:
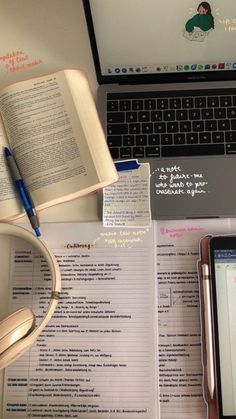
(37, 46)
(180, 368)
(97, 356)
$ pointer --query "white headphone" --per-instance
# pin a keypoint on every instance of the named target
(18, 331)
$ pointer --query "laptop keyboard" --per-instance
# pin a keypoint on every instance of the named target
(171, 124)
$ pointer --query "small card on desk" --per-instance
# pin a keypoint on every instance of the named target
(126, 203)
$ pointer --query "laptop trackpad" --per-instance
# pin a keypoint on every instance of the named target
(193, 187)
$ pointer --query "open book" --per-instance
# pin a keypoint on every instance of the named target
(52, 127)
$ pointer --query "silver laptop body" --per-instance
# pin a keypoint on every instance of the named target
(142, 47)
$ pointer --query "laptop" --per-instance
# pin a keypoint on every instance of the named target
(167, 95)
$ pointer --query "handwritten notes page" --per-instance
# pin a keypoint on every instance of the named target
(126, 203)
(180, 369)
(97, 356)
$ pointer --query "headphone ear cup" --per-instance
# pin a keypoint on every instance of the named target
(16, 326)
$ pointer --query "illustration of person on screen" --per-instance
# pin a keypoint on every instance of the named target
(200, 24)
(203, 19)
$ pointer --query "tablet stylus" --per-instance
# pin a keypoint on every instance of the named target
(208, 329)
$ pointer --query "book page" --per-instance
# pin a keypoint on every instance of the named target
(84, 103)
(180, 368)
(9, 202)
(97, 356)
(47, 138)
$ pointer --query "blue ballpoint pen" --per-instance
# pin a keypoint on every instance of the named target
(24, 196)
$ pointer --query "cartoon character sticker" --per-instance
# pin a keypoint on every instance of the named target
(199, 26)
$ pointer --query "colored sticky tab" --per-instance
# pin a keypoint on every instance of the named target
(126, 165)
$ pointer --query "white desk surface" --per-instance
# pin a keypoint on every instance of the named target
(58, 30)
(55, 33)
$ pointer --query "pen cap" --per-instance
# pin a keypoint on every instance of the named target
(18, 331)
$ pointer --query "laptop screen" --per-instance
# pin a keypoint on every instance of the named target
(140, 38)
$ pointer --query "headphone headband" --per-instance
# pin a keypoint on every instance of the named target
(18, 348)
